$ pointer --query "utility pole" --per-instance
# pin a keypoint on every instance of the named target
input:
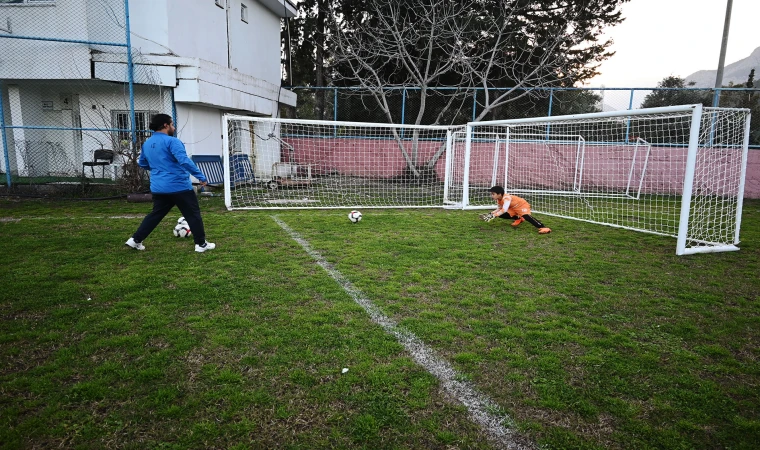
(722, 60)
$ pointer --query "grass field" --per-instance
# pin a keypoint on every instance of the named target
(590, 337)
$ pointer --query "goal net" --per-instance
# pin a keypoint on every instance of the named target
(287, 163)
(675, 171)
(672, 171)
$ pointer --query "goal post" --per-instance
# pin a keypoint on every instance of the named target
(675, 171)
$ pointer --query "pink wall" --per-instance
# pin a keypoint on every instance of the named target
(374, 158)
(605, 166)
(752, 184)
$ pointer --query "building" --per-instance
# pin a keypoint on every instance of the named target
(73, 73)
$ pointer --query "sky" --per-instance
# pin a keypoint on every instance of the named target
(676, 37)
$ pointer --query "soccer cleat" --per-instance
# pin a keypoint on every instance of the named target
(544, 230)
(134, 244)
(518, 222)
(206, 246)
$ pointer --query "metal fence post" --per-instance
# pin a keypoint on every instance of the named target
(4, 137)
(131, 74)
(549, 113)
(551, 101)
(174, 114)
(335, 110)
(474, 103)
(715, 104)
(628, 122)
(716, 98)
(403, 111)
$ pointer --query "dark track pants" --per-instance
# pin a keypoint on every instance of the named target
(530, 219)
(186, 201)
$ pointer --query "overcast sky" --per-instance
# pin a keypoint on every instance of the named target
(676, 37)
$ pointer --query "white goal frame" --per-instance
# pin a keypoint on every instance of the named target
(684, 236)
(445, 139)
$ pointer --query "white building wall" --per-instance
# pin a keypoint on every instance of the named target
(255, 46)
(105, 22)
(200, 129)
(65, 19)
(198, 29)
(149, 22)
(82, 20)
(25, 59)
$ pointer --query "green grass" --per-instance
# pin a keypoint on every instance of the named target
(590, 337)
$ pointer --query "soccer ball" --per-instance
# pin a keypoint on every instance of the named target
(354, 216)
(181, 220)
(182, 230)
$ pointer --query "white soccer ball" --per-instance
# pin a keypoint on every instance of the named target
(354, 216)
(182, 230)
(181, 220)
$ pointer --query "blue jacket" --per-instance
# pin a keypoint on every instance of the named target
(169, 166)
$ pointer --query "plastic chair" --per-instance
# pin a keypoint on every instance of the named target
(100, 158)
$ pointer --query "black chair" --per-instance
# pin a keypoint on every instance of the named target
(100, 158)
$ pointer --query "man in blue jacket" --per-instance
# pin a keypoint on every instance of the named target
(166, 158)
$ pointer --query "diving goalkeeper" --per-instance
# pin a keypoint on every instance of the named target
(512, 207)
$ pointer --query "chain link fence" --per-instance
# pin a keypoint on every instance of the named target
(75, 98)
(450, 106)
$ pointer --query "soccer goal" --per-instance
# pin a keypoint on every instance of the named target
(676, 171)
(288, 163)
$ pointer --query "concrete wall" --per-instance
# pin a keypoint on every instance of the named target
(664, 172)
(752, 184)
(197, 29)
(255, 46)
(150, 24)
(24, 59)
(200, 129)
(372, 158)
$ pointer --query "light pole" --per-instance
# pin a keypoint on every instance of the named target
(722, 60)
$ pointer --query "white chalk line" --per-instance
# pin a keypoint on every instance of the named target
(19, 219)
(481, 409)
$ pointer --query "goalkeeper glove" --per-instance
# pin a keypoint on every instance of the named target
(488, 217)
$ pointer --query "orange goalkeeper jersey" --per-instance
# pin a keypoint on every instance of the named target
(512, 205)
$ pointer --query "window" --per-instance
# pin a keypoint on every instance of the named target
(243, 13)
(120, 120)
(27, 2)
(219, 3)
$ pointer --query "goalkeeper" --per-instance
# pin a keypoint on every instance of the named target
(512, 207)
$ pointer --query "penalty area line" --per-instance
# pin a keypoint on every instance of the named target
(482, 410)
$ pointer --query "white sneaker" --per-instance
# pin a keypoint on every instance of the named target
(134, 244)
(207, 246)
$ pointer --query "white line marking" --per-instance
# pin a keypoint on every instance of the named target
(19, 219)
(481, 408)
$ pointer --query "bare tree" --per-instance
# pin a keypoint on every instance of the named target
(465, 44)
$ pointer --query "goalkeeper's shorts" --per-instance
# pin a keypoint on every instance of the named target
(516, 213)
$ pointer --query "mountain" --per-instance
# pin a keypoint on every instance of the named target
(735, 72)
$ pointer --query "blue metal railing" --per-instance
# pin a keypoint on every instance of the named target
(5, 139)
(550, 92)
